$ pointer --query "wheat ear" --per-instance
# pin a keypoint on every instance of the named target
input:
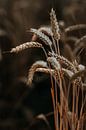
(45, 70)
(54, 25)
(75, 27)
(55, 64)
(47, 30)
(64, 61)
(25, 46)
(53, 72)
(42, 36)
(48, 71)
(33, 68)
(78, 74)
(55, 30)
(82, 39)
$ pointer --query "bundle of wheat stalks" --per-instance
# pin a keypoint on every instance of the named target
(66, 75)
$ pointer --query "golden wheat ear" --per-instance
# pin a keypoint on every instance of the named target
(55, 30)
(45, 70)
(49, 71)
(25, 46)
(32, 70)
(54, 25)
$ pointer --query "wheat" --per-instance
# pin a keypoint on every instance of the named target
(79, 49)
(54, 63)
(67, 72)
(59, 68)
(82, 39)
(75, 27)
(81, 67)
(55, 30)
(42, 36)
(25, 46)
(71, 38)
(54, 25)
(64, 61)
(47, 30)
(52, 72)
(78, 74)
(45, 70)
(33, 68)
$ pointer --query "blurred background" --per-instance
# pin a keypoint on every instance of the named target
(19, 103)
